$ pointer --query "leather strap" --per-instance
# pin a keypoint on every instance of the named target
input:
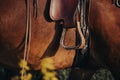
(82, 55)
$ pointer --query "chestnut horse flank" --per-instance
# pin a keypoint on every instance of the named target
(104, 49)
(31, 27)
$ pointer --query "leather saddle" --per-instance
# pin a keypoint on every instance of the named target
(63, 10)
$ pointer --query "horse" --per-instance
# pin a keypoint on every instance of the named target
(43, 36)
(104, 43)
(104, 34)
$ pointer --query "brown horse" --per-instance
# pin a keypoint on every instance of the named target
(104, 35)
(104, 26)
(45, 35)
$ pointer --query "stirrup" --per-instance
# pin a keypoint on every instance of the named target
(117, 2)
(79, 46)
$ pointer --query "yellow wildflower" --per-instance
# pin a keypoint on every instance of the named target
(24, 75)
(23, 64)
(47, 69)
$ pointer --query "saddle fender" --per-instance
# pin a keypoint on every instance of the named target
(59, 10)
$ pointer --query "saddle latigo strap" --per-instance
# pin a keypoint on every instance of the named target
(63, 10)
